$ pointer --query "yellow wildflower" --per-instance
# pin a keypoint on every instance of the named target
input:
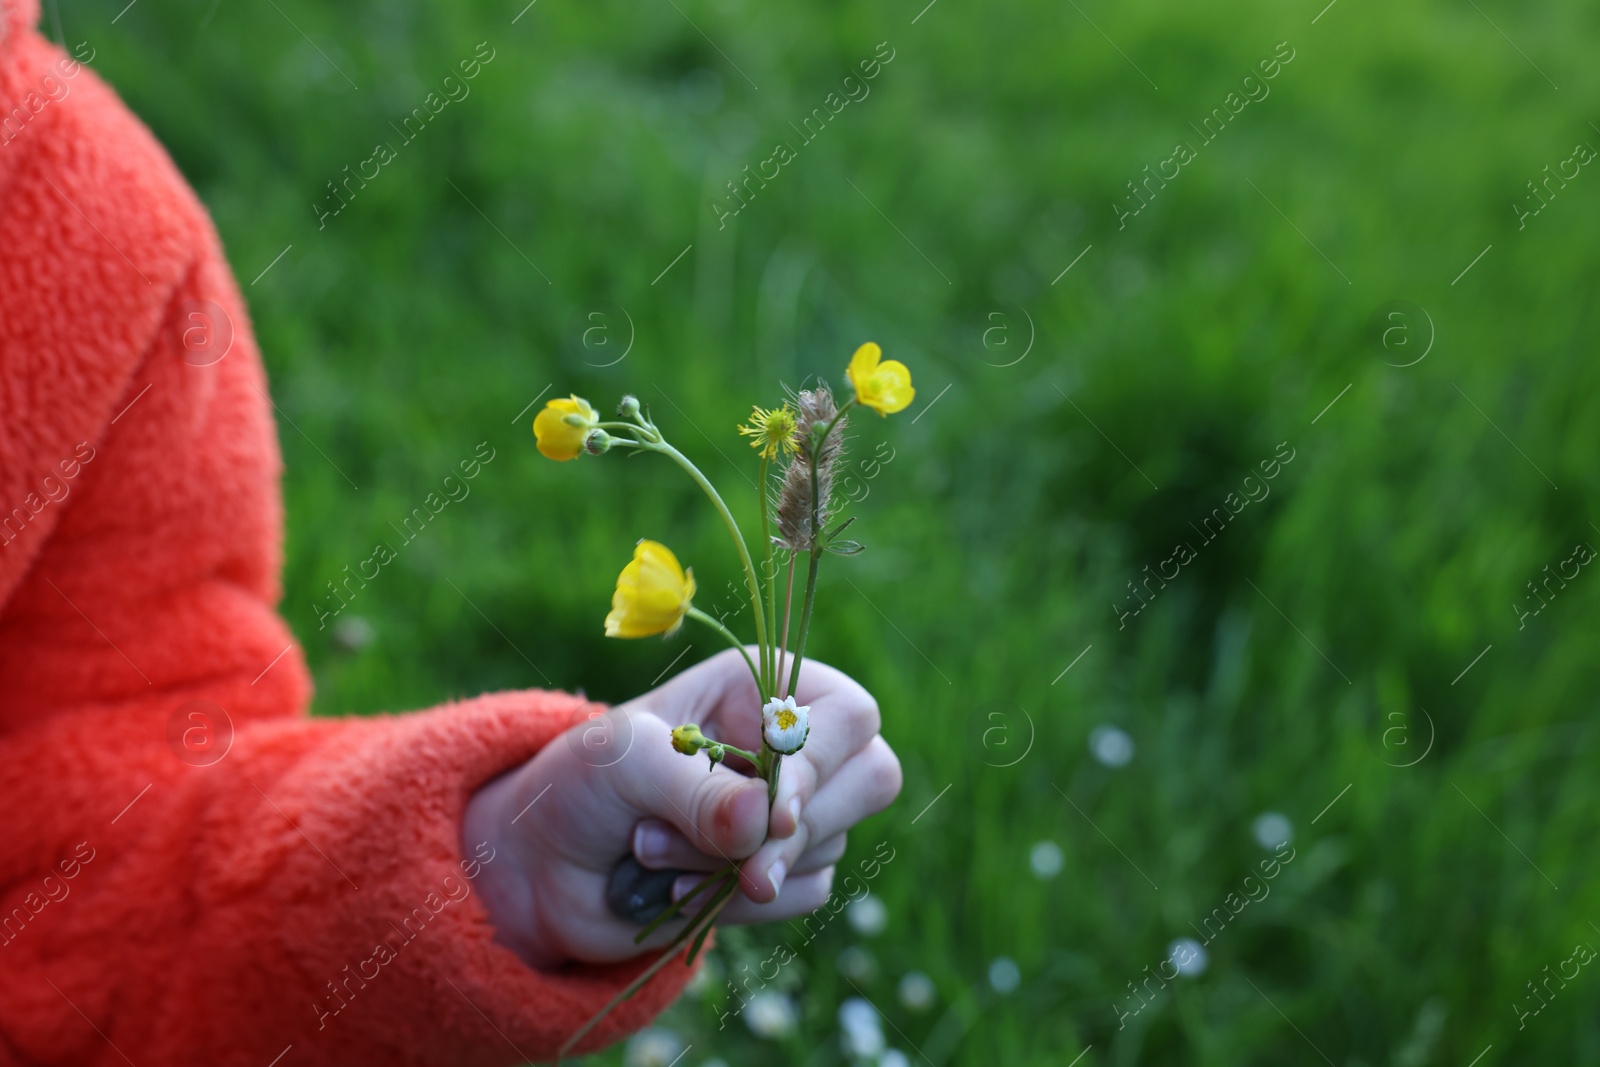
(882, 385)
(772, 431)
(653, 594)
(562, 427)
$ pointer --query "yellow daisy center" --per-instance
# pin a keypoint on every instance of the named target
(786, 718)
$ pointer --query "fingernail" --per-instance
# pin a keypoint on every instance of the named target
(775, 875)
(794, 810)
(650, 842)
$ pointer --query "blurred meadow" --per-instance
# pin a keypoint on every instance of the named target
(1358, 661)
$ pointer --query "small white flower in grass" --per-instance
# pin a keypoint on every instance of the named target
(917, 991)
(654, 1047)
(1111, 746)
(354, 633)
(862, 1036)
(771, 1015)
(785, 724)
(857, 1013)
(1272, 829)
(707, 977)
(1045, 859)
(894, 1058)
(1005, 975)
(867, 916)
(858, 964)
(1189, 956)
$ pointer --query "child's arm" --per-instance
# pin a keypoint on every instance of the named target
(307, 889)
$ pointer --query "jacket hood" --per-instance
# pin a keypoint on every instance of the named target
(16, 17)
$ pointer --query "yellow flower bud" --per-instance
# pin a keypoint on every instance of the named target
(562, 427)
(688, 739)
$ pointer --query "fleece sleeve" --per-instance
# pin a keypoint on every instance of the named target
(192, 870)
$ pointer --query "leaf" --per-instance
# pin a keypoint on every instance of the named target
(846, 548)
(839, 529)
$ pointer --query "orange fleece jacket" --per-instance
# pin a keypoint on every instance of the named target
(309, 891)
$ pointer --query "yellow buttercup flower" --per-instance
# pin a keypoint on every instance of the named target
(653, 593)
(882, 385)
(772, 431)
(562, 427)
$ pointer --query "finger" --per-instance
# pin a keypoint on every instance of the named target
(696, 695)
(721, 694)
(761, 876)
(864, 786)
(826, 854)
(802, 895)
(661, 846)
(808, 861)
(723, 813)
(797, 783)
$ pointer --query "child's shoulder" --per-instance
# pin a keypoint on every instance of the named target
(76, 165)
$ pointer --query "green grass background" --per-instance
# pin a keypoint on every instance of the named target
(1217, 324)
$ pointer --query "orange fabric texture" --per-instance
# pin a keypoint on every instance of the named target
(310, 888)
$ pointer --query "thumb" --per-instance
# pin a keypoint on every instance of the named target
(723, 813)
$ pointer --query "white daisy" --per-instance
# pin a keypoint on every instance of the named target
(867, 916)
(917, 991)
(785, 725)
(1189, 956)
(1111, 746)
(862, 1033)
(653, 1047)
(1046, 859)
(771, 1015)
(1272, 829)
(1004, 975)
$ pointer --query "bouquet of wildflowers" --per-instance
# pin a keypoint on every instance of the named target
(800, 443)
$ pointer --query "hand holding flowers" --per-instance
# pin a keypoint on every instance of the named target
(546, 891)
(654, 593)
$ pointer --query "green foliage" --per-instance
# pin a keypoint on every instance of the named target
(1282, 668)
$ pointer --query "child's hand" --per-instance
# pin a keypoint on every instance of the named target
(591, 806)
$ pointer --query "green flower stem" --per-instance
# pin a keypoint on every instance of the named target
(677, 905)
(769, 654)
(805, 620)
(697, 928)
(711, 910)
(753, 757)
(744, 554)
(772, 776)
(788, 603)
(716, 624)
(816, 554)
